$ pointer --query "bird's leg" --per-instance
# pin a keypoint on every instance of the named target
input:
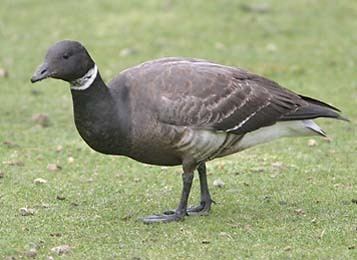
(181, 210)
(206, 201)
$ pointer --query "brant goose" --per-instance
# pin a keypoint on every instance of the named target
(179, 111)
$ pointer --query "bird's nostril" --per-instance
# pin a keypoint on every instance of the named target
(43, 71)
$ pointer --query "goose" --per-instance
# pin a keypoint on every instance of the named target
(179, 111)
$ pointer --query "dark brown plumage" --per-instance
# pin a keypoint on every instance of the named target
(179, 111)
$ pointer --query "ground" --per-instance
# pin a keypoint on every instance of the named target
(294, 198)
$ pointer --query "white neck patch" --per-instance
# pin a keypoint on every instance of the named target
(85, 81)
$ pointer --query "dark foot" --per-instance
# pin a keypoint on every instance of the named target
(202, 210)
(168, 216)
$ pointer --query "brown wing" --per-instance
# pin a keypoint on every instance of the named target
(201, 94)
(206, 95)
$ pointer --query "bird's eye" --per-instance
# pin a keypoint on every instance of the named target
(65, 56)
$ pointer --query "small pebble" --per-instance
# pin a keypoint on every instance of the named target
(36, 92)
(32, 253)
(312, 142)
(59, 148)
(61, 250)
(271, 47)
(219, 46)
(4, 73)
(26, 212)
(218, 183)
(39, 181)
(70, 159)
(127, 52)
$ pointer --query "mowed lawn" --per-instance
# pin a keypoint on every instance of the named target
(293, 198)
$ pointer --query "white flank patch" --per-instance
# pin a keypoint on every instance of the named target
(281, 129)
(85, 81)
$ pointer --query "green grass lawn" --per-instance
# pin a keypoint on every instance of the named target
(282, 200)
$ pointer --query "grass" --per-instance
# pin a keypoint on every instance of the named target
(283, 200)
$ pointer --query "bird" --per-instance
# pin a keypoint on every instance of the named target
(179, 111)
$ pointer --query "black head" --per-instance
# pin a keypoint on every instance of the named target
(66, 60)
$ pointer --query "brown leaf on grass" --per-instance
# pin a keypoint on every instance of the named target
(226, 234)
(299, 212)
(128, 216)
(218, 183)
(53, 167)
(277, 165)
(45, 205)
(256, 8)
(55, 234)
(26, 211)
(61, 250)
(235, 225)
(14, 163)
(31, 253)
(248, 227)
(287, 248)
(10, 144)
(11, 257)
(41, 119)
(39, 181)
(60, 197)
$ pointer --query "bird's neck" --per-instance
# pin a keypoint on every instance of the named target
(97, 116)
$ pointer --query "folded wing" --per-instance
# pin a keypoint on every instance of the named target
(201, 94)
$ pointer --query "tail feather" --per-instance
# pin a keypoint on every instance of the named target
(314, 109)
(318, 102)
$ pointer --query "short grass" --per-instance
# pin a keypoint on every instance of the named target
(282, 200)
